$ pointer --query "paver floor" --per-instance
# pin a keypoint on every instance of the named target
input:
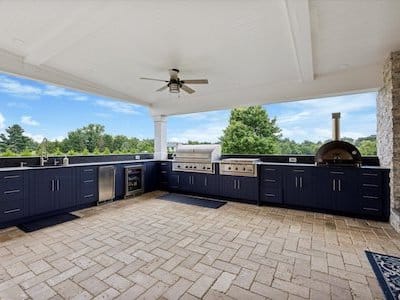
(145, 248)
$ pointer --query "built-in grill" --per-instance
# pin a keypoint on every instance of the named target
(337, 152)
(196, 158)
(239, 167)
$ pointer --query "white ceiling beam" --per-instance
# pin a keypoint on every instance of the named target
(298, 17)
(15, 65)
(350, 81)
(81, 23)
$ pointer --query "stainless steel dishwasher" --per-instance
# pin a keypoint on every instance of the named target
(106, 183)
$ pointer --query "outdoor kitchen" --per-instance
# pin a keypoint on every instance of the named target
(156, 149)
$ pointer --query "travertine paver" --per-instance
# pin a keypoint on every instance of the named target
(145, 248)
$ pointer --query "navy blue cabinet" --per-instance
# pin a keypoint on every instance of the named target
(87, 185)
(271, 184)
(240, 187)
(164, 170)
(13, 204)
(151, 170)
(372, 192)
(300, 186)
(51, 190)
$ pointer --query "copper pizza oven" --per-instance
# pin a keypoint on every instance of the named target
(337, 152)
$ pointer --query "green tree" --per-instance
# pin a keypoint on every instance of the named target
(367, 147)
(250, 130)
(15, 140)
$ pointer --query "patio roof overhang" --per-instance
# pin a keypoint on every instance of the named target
(252, 52)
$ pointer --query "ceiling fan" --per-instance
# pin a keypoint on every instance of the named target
(175, 83)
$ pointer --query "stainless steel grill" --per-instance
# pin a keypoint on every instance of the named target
(239, 167)
(196, 158)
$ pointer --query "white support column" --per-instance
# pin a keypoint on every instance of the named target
(160, 137)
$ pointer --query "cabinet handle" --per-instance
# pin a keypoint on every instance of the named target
(268, 169)
(52, 185)
(269, 180)
(369, 208)
(370, 185)
(88, 196)
(88, 170)
(178, 179)
(11, 176)
(12, 211)
(238, 184)
(270, 195)
(335, 172)
(333, 184)
(234, 184)
(370, 174)
(298, 171)
(163, 172)
(370, 197)
(12, 192)
(296, 180)
(340, 185)
(88, 181)
(58, 184)
(301, 182)
(205, 181)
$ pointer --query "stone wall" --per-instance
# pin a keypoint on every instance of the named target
(388, 130)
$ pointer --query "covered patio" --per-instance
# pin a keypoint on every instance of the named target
(251, 52)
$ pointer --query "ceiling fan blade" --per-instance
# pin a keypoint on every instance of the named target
(187, 89)
(145, 78)
(196, 81)
(162, 88)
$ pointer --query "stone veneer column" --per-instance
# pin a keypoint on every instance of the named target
(388, 131)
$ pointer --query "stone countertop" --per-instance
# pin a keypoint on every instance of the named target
(77, 165)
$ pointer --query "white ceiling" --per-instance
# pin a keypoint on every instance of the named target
(252, 52)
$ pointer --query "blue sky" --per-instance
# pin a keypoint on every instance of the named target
(49, 111)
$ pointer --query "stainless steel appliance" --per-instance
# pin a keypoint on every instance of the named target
(239, 167)
(134, 180)
(106, 183)
(196, 158)
(337, 152)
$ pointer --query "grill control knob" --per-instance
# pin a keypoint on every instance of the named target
(179, 166)
(236, 169)
(244, 169)
(186, 167)
(204, 168)
(194, 167)
(229, 168)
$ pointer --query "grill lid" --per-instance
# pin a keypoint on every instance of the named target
(205, 153)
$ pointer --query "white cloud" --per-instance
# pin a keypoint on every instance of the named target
(28, 120)
(118, 107)
(36, 137)
(11, 86)
(56, 91)
(2, 121)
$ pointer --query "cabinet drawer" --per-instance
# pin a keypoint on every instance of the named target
(89, 186)
(12, 195)
(271, 195)
(11, 181)
(374, 202)
(270, 172)
(371, 190)
(88, 173)
(371, 177)
(11, 210)
(271, 182)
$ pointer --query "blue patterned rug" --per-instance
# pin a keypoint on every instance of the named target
(387, 271)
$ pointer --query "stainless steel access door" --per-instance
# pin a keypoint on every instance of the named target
(106, 183)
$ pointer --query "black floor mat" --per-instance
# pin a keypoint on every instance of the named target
(46, 222)
(192, 200)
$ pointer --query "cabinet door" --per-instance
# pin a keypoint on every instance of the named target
(150, 176)
(344, 188)
(164, 170)
(228, 186)
(299, 187)
(42, 185)
(64, 187)
(174, 181)
(247, 189)
(210, 184)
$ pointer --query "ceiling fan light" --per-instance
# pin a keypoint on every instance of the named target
(173, 87)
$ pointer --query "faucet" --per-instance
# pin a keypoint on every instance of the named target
(23, 164)
(43, 159)
(56, 161)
